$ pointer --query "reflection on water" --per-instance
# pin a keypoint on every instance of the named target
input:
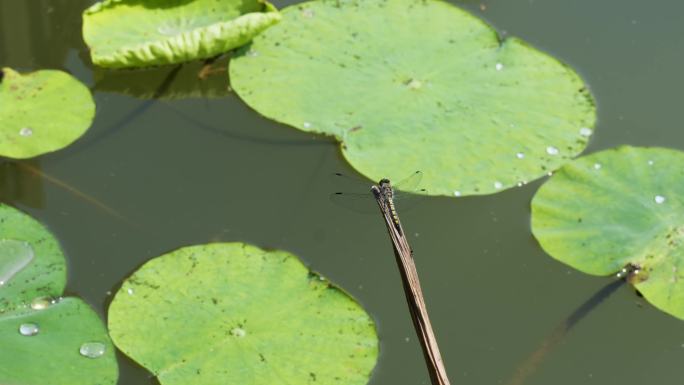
(19, 186)
(167, 82)
(39, 33)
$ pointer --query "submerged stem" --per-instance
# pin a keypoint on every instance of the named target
(529, 366)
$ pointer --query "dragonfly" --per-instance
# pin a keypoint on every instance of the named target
(406, 193)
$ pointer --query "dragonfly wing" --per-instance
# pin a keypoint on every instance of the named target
(407, 201)
(407, 198)
(360, 203)
(410, 183)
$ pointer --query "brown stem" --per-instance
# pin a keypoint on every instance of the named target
(414, 294)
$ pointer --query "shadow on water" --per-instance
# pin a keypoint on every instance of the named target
(134, 114)
(184, 81)
(529, 366)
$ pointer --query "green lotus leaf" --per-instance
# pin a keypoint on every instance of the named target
(42, 111)
(615, 208)
(135, 33)
(45, 339)
(230, 313)
(410, 85)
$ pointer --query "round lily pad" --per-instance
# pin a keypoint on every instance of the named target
(42, 335)
(615, 209)
(133, 33)
(42, 111)
(230, 313)
(411, 85)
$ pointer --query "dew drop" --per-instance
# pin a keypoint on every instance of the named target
(41, 303)
(650, 163)
(407, 339)
(498, 66)
(551, 150)
(238, 332)
(457, 193)
(92, 349)
(498, 185)
(252, 53)
(28, 329)
(307, 125)
(130, 291)
(14, 256)
(26, 131)
(659, 199)
(308, 13)
(597, 166)
(586, 131)
(520, 155)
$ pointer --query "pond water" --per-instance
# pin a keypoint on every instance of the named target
(173, 172)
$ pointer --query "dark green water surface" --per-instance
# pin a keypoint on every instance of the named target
(189, 171)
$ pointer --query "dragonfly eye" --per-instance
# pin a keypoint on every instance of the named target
(384, 181)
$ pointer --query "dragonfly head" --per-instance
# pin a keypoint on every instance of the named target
(376, 191)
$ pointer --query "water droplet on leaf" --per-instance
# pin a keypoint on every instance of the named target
(26, 131)
(551, 150)
(659, 199)
(520, 155)
(498, 185)
(28, 329)
(585, 131)
(238, 332)
(308, 13)
(92, 349)
(498, 66)
(40, 303)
